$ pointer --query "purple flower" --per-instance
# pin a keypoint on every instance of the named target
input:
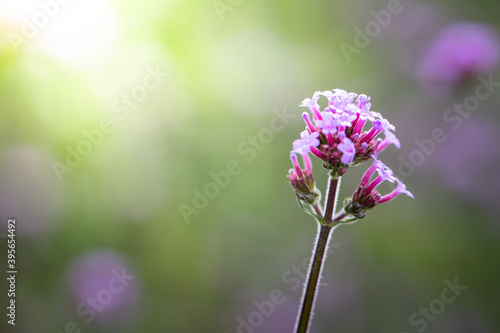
(363, 104)
(341, 99)
(366, 196)
(302, 180)
(345, 119)
(400, 189)
(307, 140)
(460, 50)
(312, 104)
(310, 126)
(329, 124)
(338, 139)
(390, 138)
(336, 135)
(103, 281)
(348, 151)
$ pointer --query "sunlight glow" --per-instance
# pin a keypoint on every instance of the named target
(74, 31)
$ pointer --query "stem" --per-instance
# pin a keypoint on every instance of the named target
(313, 278)
(316, 266)
(339, 217)
(317, 209)
(331, 199)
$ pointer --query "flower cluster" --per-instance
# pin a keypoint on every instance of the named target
(302, 180)
(366, 196)
(336, 135)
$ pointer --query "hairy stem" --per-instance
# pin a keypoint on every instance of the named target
(316, 266)
(313, 278)
(317, 209)
(331, 199)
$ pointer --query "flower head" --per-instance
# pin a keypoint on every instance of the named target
(336, 133)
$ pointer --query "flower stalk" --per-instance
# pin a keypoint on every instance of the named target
(335, 136)
(316, 265)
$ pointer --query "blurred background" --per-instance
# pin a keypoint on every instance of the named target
(145, 146)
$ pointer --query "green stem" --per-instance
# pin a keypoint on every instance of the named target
(317, 209)
(316, 265)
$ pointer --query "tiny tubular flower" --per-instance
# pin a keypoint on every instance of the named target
(348, 151)
(310, 126)
(306, 141)
(401, 188)
(390, 138)
(329, 124)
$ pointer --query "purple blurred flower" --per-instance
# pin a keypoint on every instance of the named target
(104, 285)
(468, 162)
(460, 50)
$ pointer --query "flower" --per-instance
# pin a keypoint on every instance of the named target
(366, 196)
(336, 135)
(348, 151)
(390, 138)
(460, 50)
(106, 277)
(400, 189)
(328, 125)
(302, 180)
(306, 141)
